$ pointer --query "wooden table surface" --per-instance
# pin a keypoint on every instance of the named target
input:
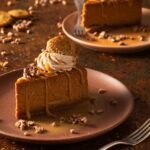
(131, 69)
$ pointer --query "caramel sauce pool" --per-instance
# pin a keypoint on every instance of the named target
(127, 31)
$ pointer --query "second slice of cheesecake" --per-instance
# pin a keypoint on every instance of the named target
(111, 13)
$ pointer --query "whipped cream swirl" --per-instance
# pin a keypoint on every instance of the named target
(55, 62)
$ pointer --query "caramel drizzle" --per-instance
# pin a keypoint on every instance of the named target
(81, 75)
(103, 13)
(27, 107)
(46, 100)
(69, 85)
(115, 3)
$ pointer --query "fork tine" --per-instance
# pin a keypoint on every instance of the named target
(139, 129)
(147, 134)
(143, 134)
(77, 32)
(137, 134)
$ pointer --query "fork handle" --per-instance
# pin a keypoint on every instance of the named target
(79, 5)
(112, 144)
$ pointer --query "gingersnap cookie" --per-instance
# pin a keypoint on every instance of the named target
(5, 19)
(61, 45)
(19, 13)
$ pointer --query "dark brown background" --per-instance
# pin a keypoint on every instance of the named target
(132, 69)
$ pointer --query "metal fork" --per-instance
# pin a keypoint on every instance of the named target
(78, 28)
(133, 139)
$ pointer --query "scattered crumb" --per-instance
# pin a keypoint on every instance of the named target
(22, 25)
(113, 102)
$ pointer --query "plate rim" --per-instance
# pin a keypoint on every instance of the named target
(73, 139)
(117, 49)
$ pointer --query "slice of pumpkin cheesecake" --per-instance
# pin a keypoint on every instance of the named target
(111, 13)
(53, 82)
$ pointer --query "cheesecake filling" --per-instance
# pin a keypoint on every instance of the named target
(55, 62)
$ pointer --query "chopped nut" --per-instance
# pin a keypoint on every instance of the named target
(59, 33)
(30, 123)
(95, 33)
(102, 91)
(54, 124)
(113, 102)
(39, 130)
(22, 25)
(2, 31)
(122, 37)
(141, 38)
(73, 131)
(26, 133)
(102, 35)
(30, 8)
(121, 43)
(83, 120)
(21, 124)
(99, 111)
(92, 112)
(6, 40)
(5, 64)
(113, 40)
(10, 34)
(17, 41)
(3, 53)
(9, 3)
(64, 2)
(22, 127)
(28, 31)
(59, 25)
